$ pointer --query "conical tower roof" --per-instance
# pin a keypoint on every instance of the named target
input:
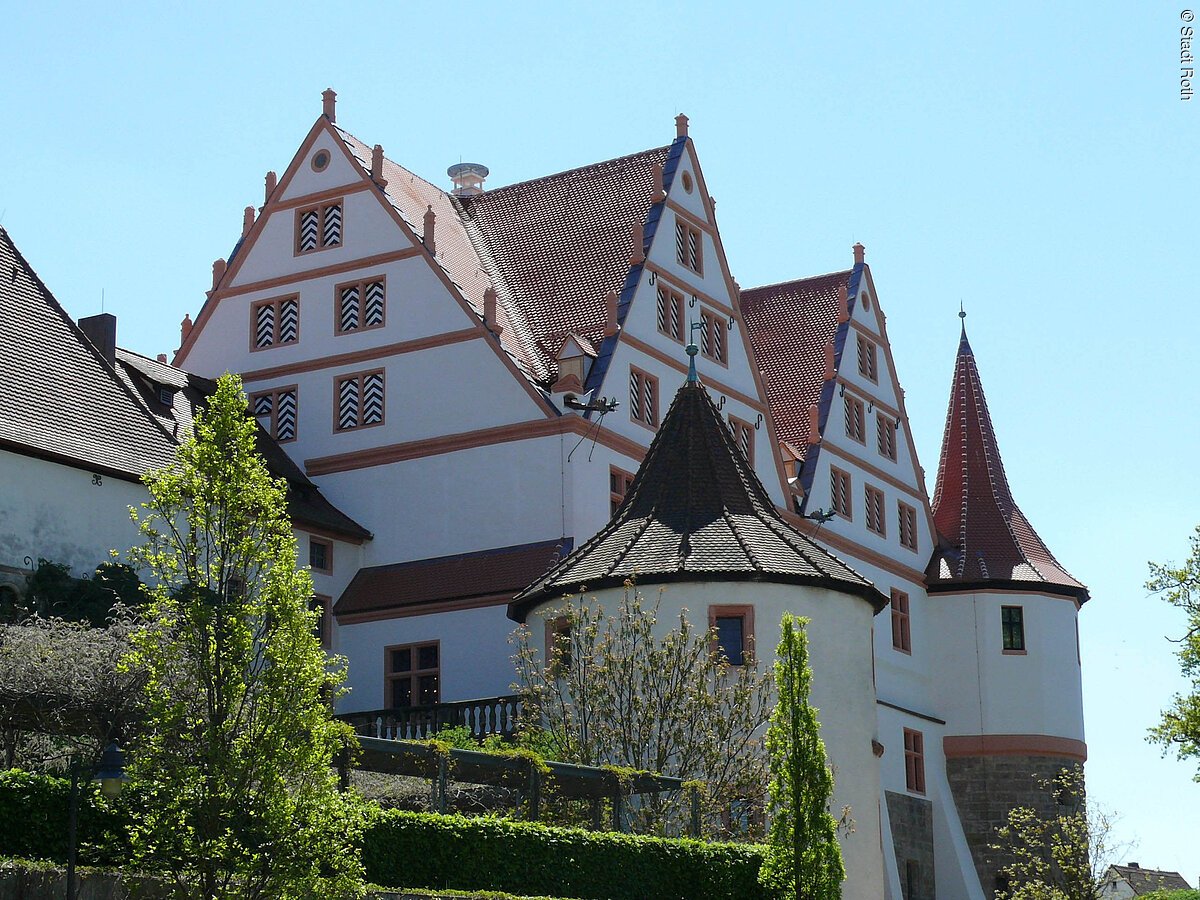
(695, 512)
(984, 540)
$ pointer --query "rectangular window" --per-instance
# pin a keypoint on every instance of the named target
(360, 305)
(558, 645)
(914, 761)
(320, 555)
(1012, 623)
(743, 436)
(712, 336)
(901, 633)
(274, 322)
(733, 628)
(908, 525)
(619, 482)
(688, 246)
(322, 630)
(319, 227)
(874, 500)
(839, 490)
(643, 397)
(276, 412)
(359, 400)
(886, 433)
(866, 359)
(670, 313)
(912, 878)
(856, 428)
(413, 675)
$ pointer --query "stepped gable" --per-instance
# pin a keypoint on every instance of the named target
(984, 540)
(789, 325)
(59, 398)
(695, 512)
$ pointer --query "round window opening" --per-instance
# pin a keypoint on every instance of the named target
(320, 160)
(687, 182)
(866, 300)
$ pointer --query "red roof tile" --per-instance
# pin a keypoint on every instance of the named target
(985, 539)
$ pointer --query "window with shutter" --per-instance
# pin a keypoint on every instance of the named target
(274, 322)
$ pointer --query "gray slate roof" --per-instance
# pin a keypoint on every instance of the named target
(696, 511)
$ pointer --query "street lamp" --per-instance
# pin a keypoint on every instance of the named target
(110, 772)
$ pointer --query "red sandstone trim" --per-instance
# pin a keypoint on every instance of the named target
(957, 746)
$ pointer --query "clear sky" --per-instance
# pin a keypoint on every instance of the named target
(1033, 161)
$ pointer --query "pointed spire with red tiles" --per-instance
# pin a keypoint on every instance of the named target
(984, 541)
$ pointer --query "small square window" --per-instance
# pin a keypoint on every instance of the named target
(874, 502)
(1012, 624)
(360, 305)
(274, 322)
(856, 428)
(320, 554)
(643, 397)
(276, 412)
(319, 227)
(359, 401)
(413, 675)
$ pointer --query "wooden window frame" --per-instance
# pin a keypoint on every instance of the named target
(868, 359)
(743, 611)
(390, 676)
(322, 210)
(557, 627)
(841, 478)
(856, 420)
(901, 622)
(637, 411)
(328, 545)
(714, 341)
(689, 246)
(914, 761)
(361, 376)
(669, 308)
(1010, 639)
(907, 516)
(274, 393)
(361, 284)
(886, 435)
(618, 478)
(324, 603)
(739, 427)
(276, 302)
(875, 518)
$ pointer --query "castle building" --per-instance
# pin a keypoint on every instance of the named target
(472, 382)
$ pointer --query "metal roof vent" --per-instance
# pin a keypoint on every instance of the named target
(468, 178)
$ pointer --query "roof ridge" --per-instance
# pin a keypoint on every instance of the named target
(804, 280)
(572, 171)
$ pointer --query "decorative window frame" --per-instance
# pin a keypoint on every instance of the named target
(361, 377)
(1012, 632)
(743, 611)
(643, 398)
(841, 500)
(868, 359)
(619, 483)
(328, 545)
(885, 431)
(914, 761)
(276, 303)
(390, 676)
(714, 341)
(874, 518)
(323, 603)
(275, 394)
(558, 628)
(907, 516)
(324, 211)
(361, 284)
(669, 315)
(743, 436)
(689, 245)
(901, 622)
(856, 419)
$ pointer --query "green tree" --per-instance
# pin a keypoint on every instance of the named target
(1180, 586)
(234, 760)
(803, 860)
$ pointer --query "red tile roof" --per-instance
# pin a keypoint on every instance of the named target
(1145, 881)
(463, 577)
(984, 538)
(789, 325)
(695, 510)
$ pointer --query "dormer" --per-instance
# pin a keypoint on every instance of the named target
(574, 359)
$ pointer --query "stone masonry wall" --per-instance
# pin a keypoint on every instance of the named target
(985, 788)
(912, 837)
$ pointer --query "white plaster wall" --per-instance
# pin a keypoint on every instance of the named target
(341, 170)
(475, 654)
(840, 656)
(985, 691)
(57, 513)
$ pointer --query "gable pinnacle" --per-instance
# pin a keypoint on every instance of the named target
(329, 104)
(860, 253)
(681, 126)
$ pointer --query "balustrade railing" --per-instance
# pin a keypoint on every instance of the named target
(483, 717)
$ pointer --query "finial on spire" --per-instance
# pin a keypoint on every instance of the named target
(692, 350)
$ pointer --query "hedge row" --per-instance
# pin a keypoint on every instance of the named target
(424, 850)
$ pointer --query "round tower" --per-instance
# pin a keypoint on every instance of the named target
(1004, 614)
(698, 529)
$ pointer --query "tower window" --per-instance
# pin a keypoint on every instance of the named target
(1012, 624)
(733, 627)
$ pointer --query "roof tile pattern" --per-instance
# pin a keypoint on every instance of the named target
(1145, 881)
(984, 536)
(695, 510)
(789, 325)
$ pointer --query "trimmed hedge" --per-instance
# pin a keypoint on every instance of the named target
(425, 850)
(433, 851)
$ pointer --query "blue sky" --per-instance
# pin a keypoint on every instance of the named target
(1034, 163)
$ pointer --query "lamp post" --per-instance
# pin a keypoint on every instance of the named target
(110, 772)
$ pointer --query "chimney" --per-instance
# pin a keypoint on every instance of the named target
(329, 104)
(468, 178)
(638, 239)
(185, 328)
(218, 272)
(659, 193)
(247, 220)
(162, 357)
(829, 370)
(610, 314)
(427, 235)
(843, 304)
(860, 254)
(101, 330)
(814, 424)
(681, 126)
(377, 166)
(271, 179)
(489, 311)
